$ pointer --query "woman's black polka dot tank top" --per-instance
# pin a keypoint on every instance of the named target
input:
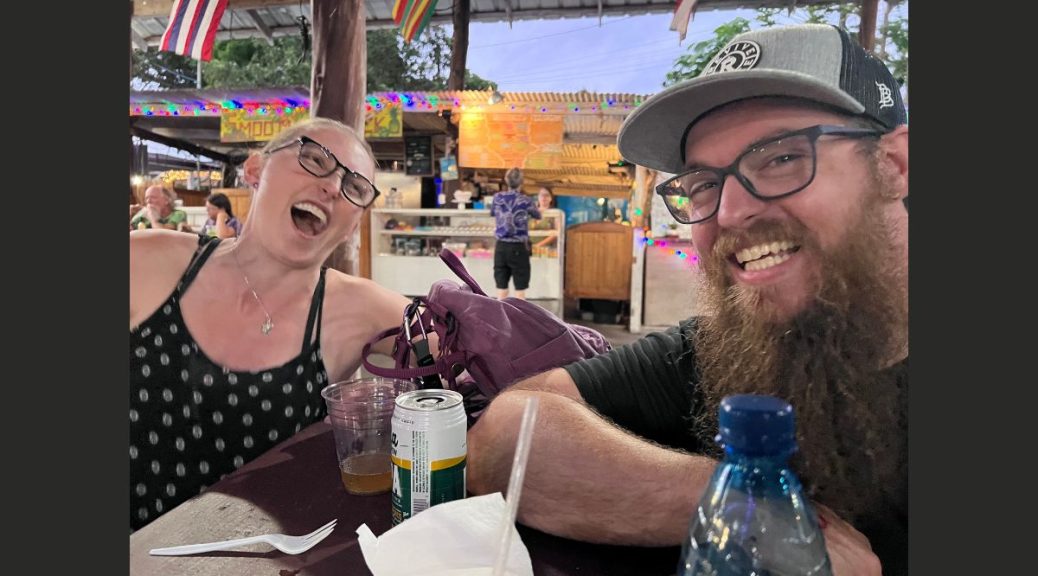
(193, 421)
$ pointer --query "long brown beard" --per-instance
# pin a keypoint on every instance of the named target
(826, 361)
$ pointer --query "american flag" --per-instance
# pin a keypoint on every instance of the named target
(192, 28)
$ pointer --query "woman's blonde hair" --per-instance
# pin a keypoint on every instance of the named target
(298, 129)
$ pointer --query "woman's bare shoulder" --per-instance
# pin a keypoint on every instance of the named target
(154, 249)
(365, 297)
(157, 260)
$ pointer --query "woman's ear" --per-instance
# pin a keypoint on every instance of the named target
(253, 167)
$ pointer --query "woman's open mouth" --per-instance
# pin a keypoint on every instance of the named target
(309, 219)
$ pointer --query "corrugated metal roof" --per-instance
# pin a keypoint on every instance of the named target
(270, 18)
(279, 18)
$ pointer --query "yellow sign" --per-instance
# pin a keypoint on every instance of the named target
(240, 126)
(384, 122)
(503, 140)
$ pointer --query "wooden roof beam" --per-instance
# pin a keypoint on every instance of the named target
(239, 33)
(138, 41)
(180, 144)
(253, 17)
(139, 29)
(163, 7)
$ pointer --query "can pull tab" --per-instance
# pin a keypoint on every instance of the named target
(420, 348)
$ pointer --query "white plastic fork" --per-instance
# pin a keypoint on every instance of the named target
(285, 543)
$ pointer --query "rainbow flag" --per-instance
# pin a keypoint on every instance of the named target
(192, 28)
(398, 10)
(414, 16)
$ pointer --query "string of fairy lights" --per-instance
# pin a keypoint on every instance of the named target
(687, 254)
(273, 107)
(663, 244)
(433, 102)
(407, 101)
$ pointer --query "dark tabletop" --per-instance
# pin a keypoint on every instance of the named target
(295, 488)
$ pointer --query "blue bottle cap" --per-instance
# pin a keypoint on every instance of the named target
(757, 425)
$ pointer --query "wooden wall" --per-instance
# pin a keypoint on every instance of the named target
(598, 261)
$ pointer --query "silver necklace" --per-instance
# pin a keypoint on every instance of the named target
(268, 324)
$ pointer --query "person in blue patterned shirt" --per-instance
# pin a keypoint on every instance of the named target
(512, 211)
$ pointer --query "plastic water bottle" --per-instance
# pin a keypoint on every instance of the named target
(753, 519)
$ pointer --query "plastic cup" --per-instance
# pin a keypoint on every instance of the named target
(361, 415)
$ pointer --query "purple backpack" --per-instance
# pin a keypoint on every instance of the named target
(485, 344)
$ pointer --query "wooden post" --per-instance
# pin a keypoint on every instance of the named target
(365, 240)
(867, 31)
(460, 46)
(338, 85)
(129, 37)
(456, 80)
(643, 181)
(129, 135)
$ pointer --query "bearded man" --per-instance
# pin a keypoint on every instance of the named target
(789, 157)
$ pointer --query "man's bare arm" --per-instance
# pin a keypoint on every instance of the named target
(586, 479)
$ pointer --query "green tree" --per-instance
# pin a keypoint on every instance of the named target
(891, 42)
(251, 63)
(386, 65)
(155, 69)
(424, 64)
(691, 64)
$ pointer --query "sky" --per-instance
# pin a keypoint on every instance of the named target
(626, 54)
(623, 54)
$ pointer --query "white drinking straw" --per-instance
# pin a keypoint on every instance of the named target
(515, 484)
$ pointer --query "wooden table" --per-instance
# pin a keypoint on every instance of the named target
(295, 488)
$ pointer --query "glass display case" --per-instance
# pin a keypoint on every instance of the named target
(405, 246)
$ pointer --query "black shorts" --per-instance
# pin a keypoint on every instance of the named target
(512, 260)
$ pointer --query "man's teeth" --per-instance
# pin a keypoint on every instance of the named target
(313, 209)
(766, 262)
(764, 256)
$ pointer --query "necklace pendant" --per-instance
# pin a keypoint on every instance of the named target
(267, 326)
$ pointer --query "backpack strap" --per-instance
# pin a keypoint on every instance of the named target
(452, 262)
(435, 319)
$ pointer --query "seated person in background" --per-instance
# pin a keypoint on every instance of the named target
(221, 222)
(545, 201)
(231, 343)
(159, 210)
(791, 167)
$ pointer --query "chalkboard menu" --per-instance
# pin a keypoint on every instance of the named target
(418, 156)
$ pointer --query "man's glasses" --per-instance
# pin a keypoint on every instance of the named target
(319, 161)
(771, 169)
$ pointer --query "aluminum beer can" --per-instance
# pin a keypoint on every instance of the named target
(429, 450)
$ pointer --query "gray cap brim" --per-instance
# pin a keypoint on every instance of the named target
(651, 136)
